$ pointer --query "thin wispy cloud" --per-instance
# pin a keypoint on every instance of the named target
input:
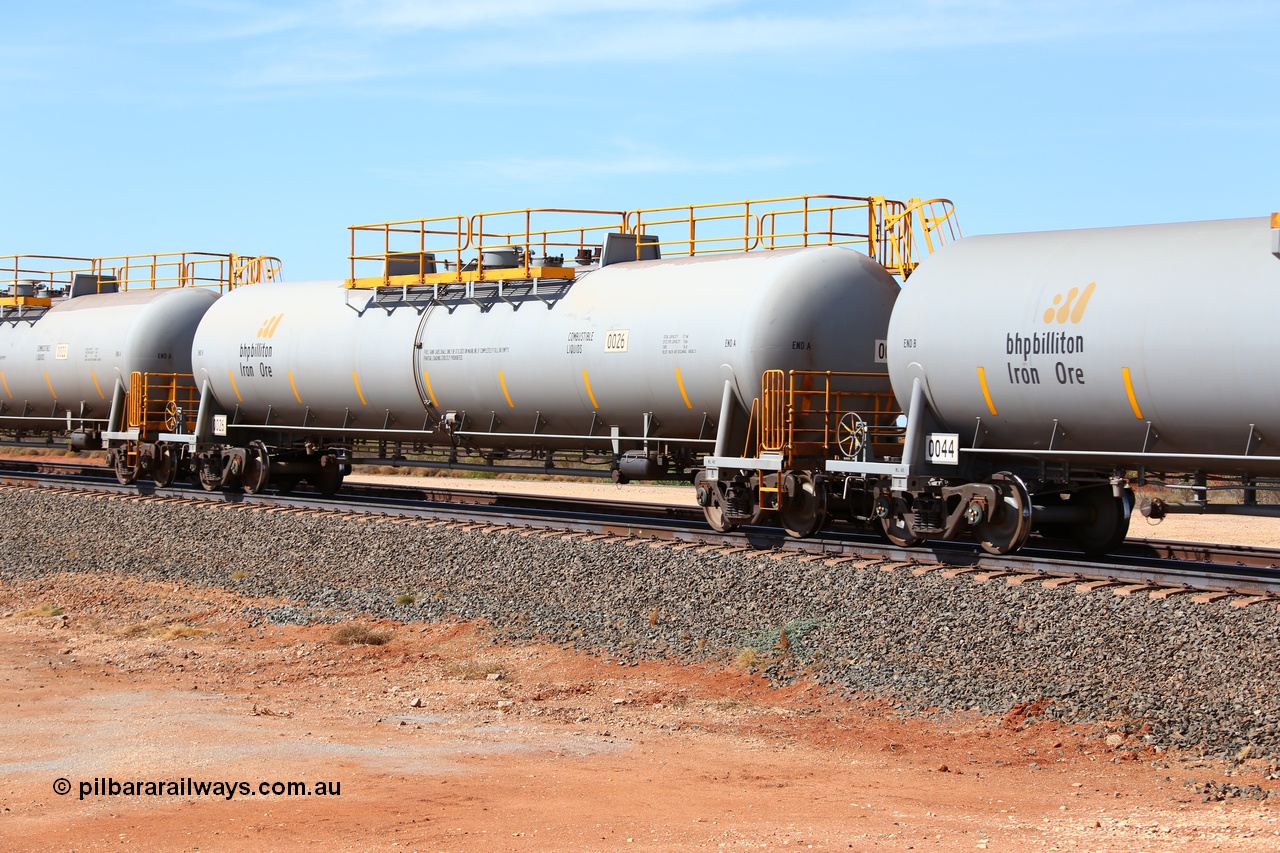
(231, 20)
(634, 165)
(306, 68)
(461, 39)
(233, 47)
(505, 14)
(561, 169)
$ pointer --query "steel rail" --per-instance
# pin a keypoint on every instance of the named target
(1163, 567)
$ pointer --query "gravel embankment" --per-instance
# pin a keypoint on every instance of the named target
(1199, 675)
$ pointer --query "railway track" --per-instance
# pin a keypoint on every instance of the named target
(1244, 576)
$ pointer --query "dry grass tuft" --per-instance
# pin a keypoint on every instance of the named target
(730, 704)
(749, 658)
(176, 631)
(358, 635)
(138, 629)
(44, 611)
(161, 629)
(470, 669)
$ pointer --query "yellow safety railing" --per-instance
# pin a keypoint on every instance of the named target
(544, 242)
(502, 245)
(773, 411)
(902, 230)
(886, 229)
(35, 279)
(824, 414)
(259, 269)
(161, 402)
(774, 223)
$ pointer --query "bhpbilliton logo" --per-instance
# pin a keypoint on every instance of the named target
(1071, 307)
(268, 329)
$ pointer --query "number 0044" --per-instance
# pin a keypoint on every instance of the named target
(943, 448)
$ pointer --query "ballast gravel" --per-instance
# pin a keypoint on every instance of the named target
(1162, 673)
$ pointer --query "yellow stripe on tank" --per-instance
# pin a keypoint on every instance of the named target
(431, 395)
(986, 392)
(93, 375)
(50, 384)
(503, 381)
(5, 383)
(359, 393)
(295, 388)
(1133, 398)
(587, 382)
(680, 382)
(232, 377)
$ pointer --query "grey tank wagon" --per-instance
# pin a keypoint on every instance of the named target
(96, 352)
(1044, 375)
(623, 344)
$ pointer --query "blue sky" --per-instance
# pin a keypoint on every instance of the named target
(232, 125)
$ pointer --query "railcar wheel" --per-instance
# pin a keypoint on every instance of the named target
(1008, 529)
(329, 480)
(802, 506)
(712, 511)
(127, 474)
(257, 464)
(165, 468)
(715, 519)
(896, 526)
(1110, 523)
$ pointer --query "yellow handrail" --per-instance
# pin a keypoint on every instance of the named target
(799, 414)
(55, 274)
(427, 245)
(161, 402)
(771, 223)
(134, 401)
(934, 219)
(452, 249)
(818, 399)
(773, 411)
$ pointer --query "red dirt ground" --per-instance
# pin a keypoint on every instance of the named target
(444, 740)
